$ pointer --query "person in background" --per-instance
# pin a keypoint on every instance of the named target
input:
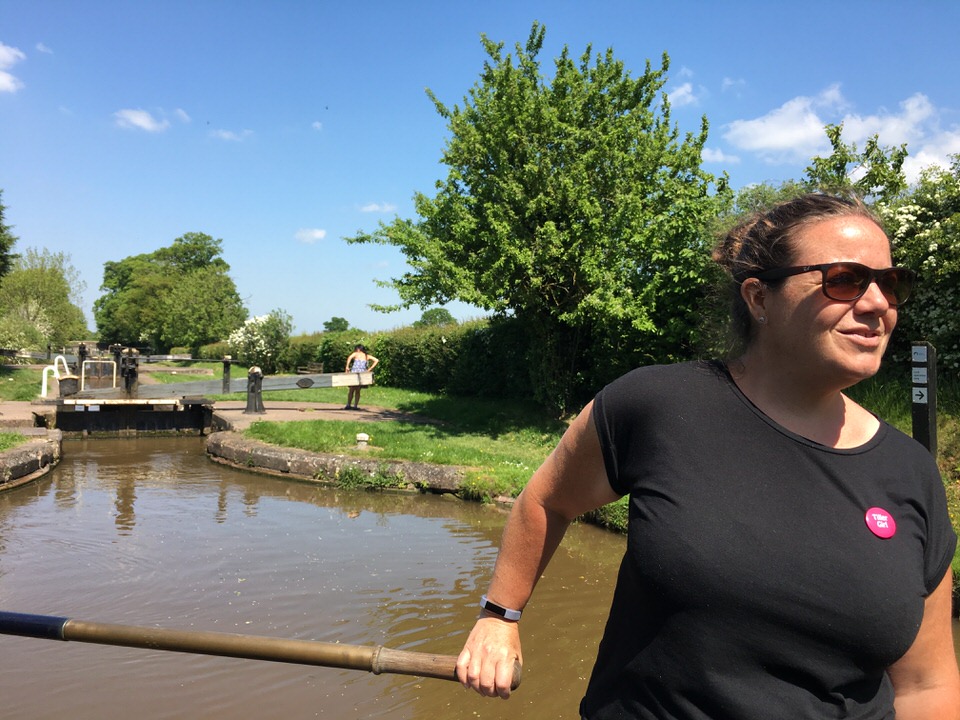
(358, 361)
(788, 553)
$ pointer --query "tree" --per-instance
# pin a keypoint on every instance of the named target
(336, 324)
(435, 317)
(7, 241)
(180, 295)
(571, 205)
(41, 295)
(875, 173)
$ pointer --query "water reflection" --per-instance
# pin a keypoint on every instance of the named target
(148, 531)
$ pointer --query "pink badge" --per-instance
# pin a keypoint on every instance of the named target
(881, 523)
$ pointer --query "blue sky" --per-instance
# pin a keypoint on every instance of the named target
(281, 127)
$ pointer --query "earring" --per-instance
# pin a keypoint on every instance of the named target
(762, 319)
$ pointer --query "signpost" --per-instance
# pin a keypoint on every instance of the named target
(924, 394)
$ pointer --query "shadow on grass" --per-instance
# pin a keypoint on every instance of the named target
(493, 418)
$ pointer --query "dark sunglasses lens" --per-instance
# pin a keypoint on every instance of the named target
(896, 285)
(845, 282)
(850, 281)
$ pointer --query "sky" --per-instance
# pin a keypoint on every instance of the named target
(281, 127)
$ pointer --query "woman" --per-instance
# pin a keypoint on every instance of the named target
(788, 553)
(358, 361)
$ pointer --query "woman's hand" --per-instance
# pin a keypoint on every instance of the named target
(486, 663)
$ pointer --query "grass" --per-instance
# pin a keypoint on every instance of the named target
(10, 440)
(496, 464)
(19, 383)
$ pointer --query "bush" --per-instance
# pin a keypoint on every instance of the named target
(301, 351)
(925, 229)
(214, 351)
(335, 348)
(262, 341)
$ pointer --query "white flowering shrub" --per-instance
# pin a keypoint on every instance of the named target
(262, 340)
(924, 227)
(25, 327)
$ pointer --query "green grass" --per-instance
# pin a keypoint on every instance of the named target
(10, 440)
(19, 383)
(500, 463)
(500, 443)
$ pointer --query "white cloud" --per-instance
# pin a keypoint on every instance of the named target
(719, 156)
(182, 115)
(309, 236)
(140, 120)
(378, 208)
(906, 126)
(935, 150)
(795, 131)
(316, 125)
(792, 132)
(731, 84)
(683, 95)
(43, 48)
(230, 135)
(9, 56)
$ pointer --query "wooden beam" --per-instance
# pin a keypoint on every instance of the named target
(239, 385)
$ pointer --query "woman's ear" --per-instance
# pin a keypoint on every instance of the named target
(754, 294)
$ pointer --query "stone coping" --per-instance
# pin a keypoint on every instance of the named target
(233, 449)
(32, 459)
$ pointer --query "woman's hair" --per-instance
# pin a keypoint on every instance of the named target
(765, 240)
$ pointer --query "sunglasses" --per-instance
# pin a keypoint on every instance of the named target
(848, 281)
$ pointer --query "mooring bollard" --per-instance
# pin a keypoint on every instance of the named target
(81, 357)
(129, 360)
(227, 360)
(254, 392)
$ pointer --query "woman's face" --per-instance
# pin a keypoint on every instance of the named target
(826, 341)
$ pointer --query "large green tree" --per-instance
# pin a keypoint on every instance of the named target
(40, 301)
(572, 204)
(177, 296)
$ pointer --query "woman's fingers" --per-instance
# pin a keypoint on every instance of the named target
(486, 663)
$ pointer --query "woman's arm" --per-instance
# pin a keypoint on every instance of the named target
(350, 358)
(571, 481)
(925, 680)
(374, 362)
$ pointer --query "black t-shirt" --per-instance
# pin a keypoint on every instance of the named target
(757, 583)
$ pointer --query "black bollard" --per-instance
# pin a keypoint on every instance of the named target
(254, 392)
(128, 370)
(81, 358)
(227, 360)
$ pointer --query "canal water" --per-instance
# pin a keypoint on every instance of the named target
(148, 531)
